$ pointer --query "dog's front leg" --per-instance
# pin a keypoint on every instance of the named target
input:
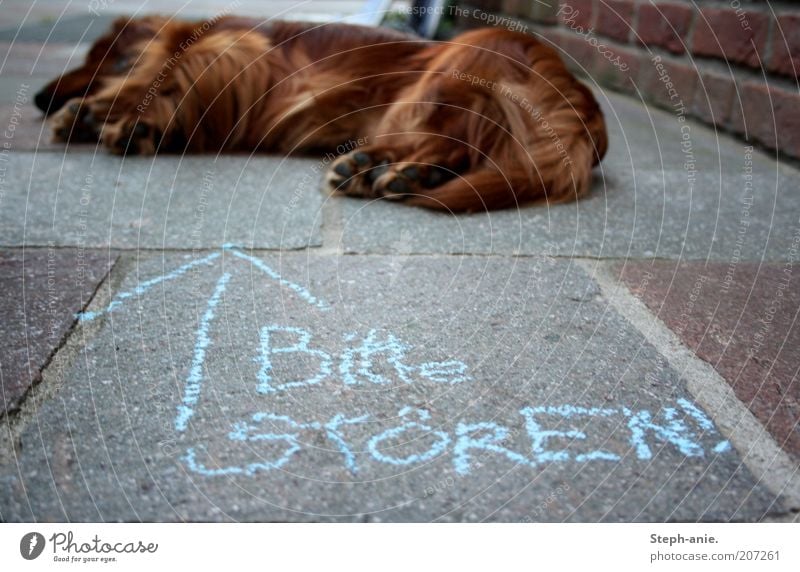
(192, 97)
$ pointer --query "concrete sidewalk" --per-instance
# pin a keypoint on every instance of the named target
(206, 338)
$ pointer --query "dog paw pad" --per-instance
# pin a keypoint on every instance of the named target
(132, 139)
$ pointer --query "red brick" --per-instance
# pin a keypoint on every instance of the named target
(514, 7)
(577, 54)
(721, 33)
(542, 12)
(655, 88)
(534, 10)
(488, 5)
(768, 115)
(615, 66)
(786, 45)
(664, 25)
(550, 36)
(576, 13)
(614, 18)
(713, 98)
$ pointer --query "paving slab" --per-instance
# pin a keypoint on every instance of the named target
(41, 60)
(42, 291)
(742, 318)
(28, 133)
(25, 131)
(18, 14)
(262, 387)
(23, 126)
(645, 203)
(48, 21)
(70, 28)
(20, 89)
(172, 202)
(316, 10)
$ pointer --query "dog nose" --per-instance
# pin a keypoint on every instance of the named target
(43, 100)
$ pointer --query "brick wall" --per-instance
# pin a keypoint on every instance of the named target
(731, 64)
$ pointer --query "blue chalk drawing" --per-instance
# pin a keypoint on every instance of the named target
(265, 381)
(191, 393)
(722, 447)
(356, 365)
(451, 372)
(674, 431)
(433, 451)
(243, 432)
(143, 287)
(261, 265)
(539, 436)
(472, 441)
(246, 432)
(333, 433)
(250, 469)
(705, 422)
(702, 419)
(488, 442)
(359, 364)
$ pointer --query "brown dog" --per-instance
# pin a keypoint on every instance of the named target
(488, 120)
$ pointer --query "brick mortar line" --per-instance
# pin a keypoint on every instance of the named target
(772, 25)
(633, 28)
(688, 42)
(770, 464)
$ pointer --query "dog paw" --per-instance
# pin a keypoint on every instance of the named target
(131, 136)
(75, 123)
(403, 180)
(355, 173)
(373, 173)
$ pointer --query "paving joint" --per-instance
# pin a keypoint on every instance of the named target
(332, 236)
(332, 228)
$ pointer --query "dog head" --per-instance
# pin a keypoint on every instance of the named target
(111, 55)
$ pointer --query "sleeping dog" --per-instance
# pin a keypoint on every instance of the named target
(490, 119)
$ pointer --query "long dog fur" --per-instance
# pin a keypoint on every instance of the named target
(491, 119)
